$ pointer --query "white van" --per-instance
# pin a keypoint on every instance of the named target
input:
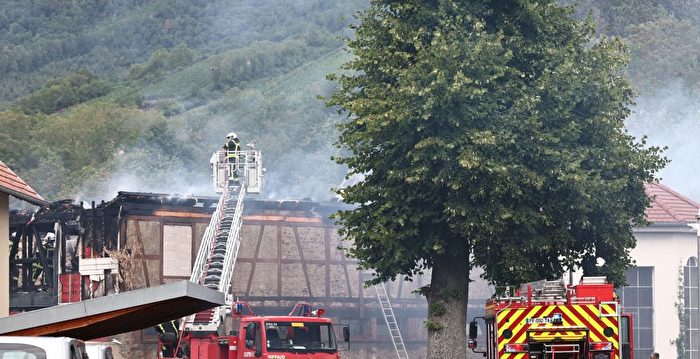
(97, 350)
(41, 348)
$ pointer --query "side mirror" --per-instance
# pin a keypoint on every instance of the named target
(346, 334)
(473, 329)
(258, 345)
(250, 335)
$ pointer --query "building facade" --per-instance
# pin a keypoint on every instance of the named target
(662, 287)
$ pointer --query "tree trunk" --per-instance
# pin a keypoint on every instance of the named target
(447, 306)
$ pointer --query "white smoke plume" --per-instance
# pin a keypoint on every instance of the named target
(670, 116)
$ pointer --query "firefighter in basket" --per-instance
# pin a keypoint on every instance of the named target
(232, 148)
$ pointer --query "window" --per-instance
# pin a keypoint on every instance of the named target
(638, 299)
(299, 337)
(177, 251)
(21, 351)
(690, 307)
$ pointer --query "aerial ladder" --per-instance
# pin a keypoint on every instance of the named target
(390, 320)
(234, 174)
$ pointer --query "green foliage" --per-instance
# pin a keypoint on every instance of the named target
(681, 342)
(98, 80)
(492, 127)
(18, 139)
(162, 62)
(45, 39)
(617, 16)
(438, 309)
(56, 95)
(664, 49)
(258, 61)
(433, 326)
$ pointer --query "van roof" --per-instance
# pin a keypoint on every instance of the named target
(35, 340)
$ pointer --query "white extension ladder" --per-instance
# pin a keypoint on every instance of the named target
(390, 321)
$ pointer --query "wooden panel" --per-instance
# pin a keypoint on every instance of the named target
(249, 241)
(316, 273)
(289, 244)
(241, 276)
(338, 284)
(293, 280)
(312, 243)
(335, 242)
(149, 231)
(268, 248)
(177, 250)
(265, 280)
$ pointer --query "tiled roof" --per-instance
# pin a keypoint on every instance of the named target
(11, 183)
(669, 206)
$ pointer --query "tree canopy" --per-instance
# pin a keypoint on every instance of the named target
(490, 133)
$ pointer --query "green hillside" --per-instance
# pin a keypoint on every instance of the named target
(136, 95)
(102, 96)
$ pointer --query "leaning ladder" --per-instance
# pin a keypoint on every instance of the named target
(390, 321)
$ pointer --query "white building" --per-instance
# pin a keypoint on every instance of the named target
(663, 286)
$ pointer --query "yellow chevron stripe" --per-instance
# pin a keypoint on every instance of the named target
(578, 322)
(607, 309)
(593, 321)
(513, 355)
(607, 321)
(507, 314)
(502, 325)
(516, 327)
(600, 322)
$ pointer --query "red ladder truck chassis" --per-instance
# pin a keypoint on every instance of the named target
(303, 334)
(546, 319)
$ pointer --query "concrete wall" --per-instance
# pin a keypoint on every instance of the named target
(667, 249)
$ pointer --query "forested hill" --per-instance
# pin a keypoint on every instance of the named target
(101, 96)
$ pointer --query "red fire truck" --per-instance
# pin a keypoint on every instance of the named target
(547, 319)
(303, 334)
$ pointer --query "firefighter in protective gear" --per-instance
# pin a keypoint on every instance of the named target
(168, 327)
(232, 147)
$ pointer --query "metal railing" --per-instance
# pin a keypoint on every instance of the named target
(233, 243)
(208, 240)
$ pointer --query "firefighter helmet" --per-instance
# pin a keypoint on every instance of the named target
(231, 136)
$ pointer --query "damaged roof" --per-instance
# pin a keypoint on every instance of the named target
(11, 183)
(114, 314)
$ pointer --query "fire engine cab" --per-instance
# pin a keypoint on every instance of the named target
(547, 319)
(303, 334)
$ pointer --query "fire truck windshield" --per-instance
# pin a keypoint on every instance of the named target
(299, 337)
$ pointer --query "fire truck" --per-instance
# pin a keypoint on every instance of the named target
(304, 334)
(547, 319)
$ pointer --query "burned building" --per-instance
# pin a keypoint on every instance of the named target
(290, 252)
(45, 251)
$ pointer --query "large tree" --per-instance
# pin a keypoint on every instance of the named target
(490, 134)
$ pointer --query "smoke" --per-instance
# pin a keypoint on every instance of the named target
(144, 169)
(670, 116)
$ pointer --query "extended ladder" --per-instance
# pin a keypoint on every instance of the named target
(218, 250)
(390, 320)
